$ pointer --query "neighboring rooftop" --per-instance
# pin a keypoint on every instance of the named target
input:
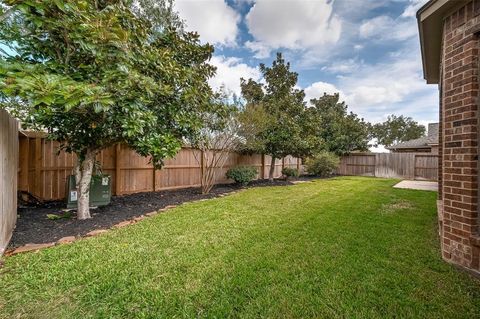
(423, 142)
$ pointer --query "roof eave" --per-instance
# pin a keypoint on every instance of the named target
(430, 22)
(421, 37)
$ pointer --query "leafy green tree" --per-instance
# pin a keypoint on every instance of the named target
(253, 118)
(336, 130)
(279, 106)
(160, 14)
(397, 129)
(96, 73)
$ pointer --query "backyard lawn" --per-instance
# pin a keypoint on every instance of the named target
(335, 248)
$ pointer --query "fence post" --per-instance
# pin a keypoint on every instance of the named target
(9, 150)
(23, 151)
(202, 165)
(298, 165)
(414, 166)
(154, 179)
(263, 166)
(38, 166)
(118, 172)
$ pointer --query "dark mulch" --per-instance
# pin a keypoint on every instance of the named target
(33, 226)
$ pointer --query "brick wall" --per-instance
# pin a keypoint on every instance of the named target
(459, 136)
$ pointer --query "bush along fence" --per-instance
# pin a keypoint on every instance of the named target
(43, 170)
(418, 166)
(8, 178)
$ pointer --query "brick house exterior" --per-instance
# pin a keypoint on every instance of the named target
(450, 39)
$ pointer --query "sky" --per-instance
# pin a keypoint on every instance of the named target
(367, 50)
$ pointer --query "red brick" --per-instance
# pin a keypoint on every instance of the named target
(458, 140)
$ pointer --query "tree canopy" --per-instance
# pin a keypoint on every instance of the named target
(275, 111)
(337, 130)
(96, 73)
(397, 129)
(88, 72)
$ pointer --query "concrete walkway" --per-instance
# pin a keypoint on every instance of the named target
(420, 185)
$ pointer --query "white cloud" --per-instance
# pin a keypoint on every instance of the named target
(395, 86)
(412, 8)
(298, 25)
(358, 47)
(384, 84)
(345, 66)
(214, 20)
(260, 50)
(385, 28)
(317, 89)
(375, 86)
(229, 72)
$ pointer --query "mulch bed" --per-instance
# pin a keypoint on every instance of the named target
(33, 226)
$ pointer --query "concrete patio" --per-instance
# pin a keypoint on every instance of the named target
(419, 185)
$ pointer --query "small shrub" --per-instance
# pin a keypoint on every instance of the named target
(289, 172)
(322, 164)
(242, 174)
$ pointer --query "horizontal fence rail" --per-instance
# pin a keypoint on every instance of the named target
(43, 170)
(415, 166)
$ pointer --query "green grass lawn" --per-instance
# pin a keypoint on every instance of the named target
(344, 247)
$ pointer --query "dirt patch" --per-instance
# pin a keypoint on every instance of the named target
(33, 225)
(397, 205)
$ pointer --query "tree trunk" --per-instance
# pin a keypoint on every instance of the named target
(209, 165)
(83, 178)
(209, 181)
(272, 169)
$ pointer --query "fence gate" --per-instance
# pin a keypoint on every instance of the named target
(426, 167)
(395, 165)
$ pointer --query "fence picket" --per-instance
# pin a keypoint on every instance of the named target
(130, 172)
(390, 165)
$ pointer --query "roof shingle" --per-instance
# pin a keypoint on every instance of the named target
(423, 142)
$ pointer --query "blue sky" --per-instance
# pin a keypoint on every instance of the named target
(368, 50)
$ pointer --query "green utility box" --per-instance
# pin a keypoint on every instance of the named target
(100, 191)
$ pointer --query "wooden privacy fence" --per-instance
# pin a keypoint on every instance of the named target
(419, 166)
(43, 170)
(8, 177)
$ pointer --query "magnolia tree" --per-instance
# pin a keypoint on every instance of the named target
(217, 139)
(272, 116)
(336, 130)
(96, 73)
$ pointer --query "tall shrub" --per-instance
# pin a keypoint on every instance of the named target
(242, 174)
(322, 164)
